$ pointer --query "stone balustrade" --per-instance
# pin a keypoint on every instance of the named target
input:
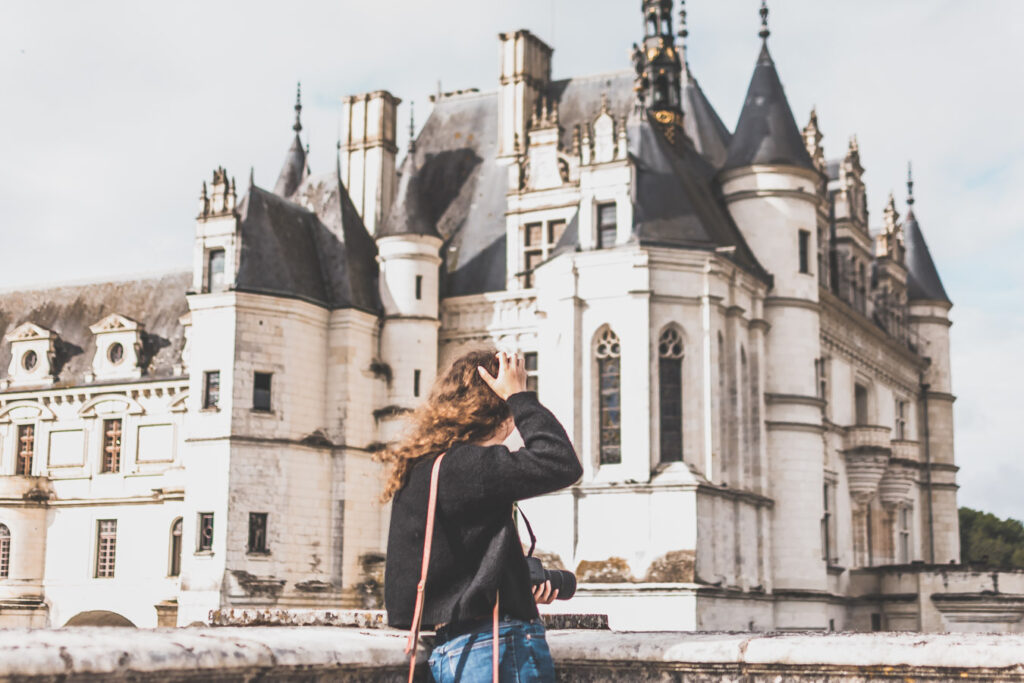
(324, 653)
(906, 450)
(868, 437)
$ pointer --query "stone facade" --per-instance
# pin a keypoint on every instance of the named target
(756, 379)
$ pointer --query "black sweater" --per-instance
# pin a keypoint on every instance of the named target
(476, 546)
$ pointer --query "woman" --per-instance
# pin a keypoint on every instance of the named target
(476, 555)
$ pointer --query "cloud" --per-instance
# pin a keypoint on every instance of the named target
(116, 111)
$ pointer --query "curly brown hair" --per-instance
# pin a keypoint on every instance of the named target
(461, 408)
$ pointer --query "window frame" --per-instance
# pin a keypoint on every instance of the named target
(541, 249)
(211, 403)
(106, 544)
(5, 551)
(258, 542)
(177, 545)
(903, 526)
(531, 363)
(209, 286)
(601, 228)
(204, 541)
(257, 392)
(901, 413)
(671, 353)
(24, 459)
(607, 354)
(111, 454)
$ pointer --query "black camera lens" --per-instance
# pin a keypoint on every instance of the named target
(561, 580)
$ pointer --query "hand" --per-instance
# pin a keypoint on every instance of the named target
(543, 594)
(511, 377)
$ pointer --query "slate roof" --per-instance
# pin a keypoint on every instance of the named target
(318, 251)
(702, 124)
(766, 132)
(579, 99)
(409, 212)
(676, 200)
(156, 303)
(923, 282)
(293, 171)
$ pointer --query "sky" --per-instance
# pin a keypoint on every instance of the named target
(115, 112)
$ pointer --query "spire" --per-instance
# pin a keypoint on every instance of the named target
(298, 109)
(684, 32)
(295, 168)
(252, 177)
(766, 132)
(910, 188)
(923, 282)
(412, 128)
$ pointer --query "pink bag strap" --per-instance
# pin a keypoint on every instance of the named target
(417, 615)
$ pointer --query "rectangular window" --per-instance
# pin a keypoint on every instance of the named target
(215, 270)
(175, 568)
(204, 539)
(828, 530)
(26, 448)
(419, 287)
(670, 395)
(860, 404)
(610, 411)
(5, 551)
(261, 390)
(555, 230)
(805, 251)
(901, 420)
(111, 446)
(258, 532)
(606, 225)
(904, 541)
(539, 240)
(211, 389)
(106, 548)
(416, 383)
(532, 379)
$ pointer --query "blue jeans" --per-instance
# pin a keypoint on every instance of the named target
(523, 655)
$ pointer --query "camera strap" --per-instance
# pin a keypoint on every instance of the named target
(529, 529)
(417, 615)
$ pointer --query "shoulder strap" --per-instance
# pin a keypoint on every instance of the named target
(417, 615)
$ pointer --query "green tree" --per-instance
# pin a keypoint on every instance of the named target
(985, 539)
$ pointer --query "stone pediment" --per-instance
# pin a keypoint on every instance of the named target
(29, 332)
(114, 323)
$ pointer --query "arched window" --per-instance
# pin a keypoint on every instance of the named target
(175, 564)
(607, 351)
(5, 551)
(670, 394)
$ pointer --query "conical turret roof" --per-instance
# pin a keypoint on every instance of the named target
(702, 123)
(923, 282)
(294, 170)
(766, 132)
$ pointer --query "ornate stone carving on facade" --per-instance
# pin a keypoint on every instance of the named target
(118, 348)
(812, 139)
(33, 356)
(867, 452)
(222, 199)
(889, 243)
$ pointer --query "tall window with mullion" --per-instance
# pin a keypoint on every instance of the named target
(539, 239)
(106, 548)
(26, 448)
(608, 351)
(670, 394)
(5, 551)
(111, 446)
(607, 226)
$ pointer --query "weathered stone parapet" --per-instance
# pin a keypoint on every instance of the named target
(320, 654)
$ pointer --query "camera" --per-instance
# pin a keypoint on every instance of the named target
(561, 580)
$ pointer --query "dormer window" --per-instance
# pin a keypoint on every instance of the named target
(118, 348)
(215, 270)
(32, 356)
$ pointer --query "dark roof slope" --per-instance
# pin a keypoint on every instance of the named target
(409, 212)
(702, 124)
(294, 170)
(156, 303)
(326, 257)
(675, 198)
(462, 191)
(766, 132)
(579, 99)
(923, 281)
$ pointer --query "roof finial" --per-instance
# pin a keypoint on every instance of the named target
(764, 21)
(298, 108)
(252, 177)
(910, 186)
(683, 32)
